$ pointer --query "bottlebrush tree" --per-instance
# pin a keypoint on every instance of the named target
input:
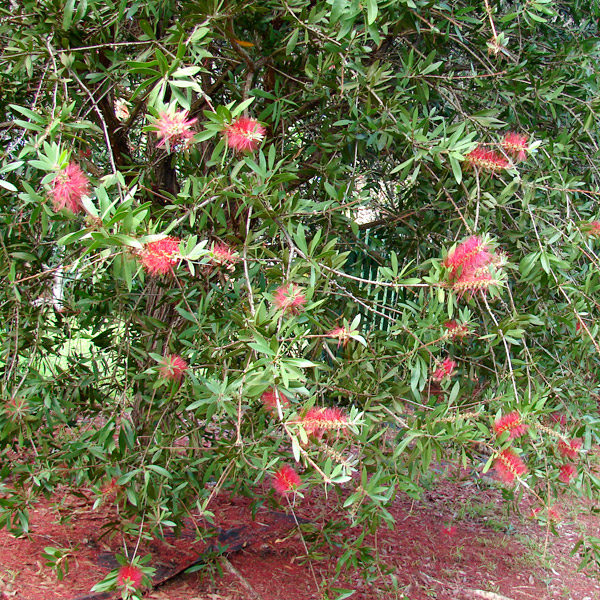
(265, 247)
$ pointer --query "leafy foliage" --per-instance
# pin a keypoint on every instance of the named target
(314, 261)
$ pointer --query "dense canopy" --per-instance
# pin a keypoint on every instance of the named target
(287, 244)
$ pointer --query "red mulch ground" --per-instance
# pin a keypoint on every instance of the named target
(492, 555)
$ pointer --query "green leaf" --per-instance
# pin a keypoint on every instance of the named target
(372, 11)
(291, 45)
(68, 14)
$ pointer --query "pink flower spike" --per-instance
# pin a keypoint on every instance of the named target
(317, 421)
(69, 186)
(449, 530)
(508, 466)
(286, 480)
(289, 298)
(489, 160)
(445, 369)
(159, 257)
(173, 367)
(130, 576)
(244, 134)
(174, 130)
(570, 448)
(469, 265)
(511, 422)
(567, 473)
(516, 144)
(223, 255)
(269, 400)
(456, 330)
(470, 254)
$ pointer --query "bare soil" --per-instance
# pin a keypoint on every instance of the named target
(458, 542)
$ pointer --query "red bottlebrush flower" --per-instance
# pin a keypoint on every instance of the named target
(593, 229)
(509, 465)
(244, 134)
(445, 369)
(516, 144)
(130, 576)
(289, 298)
(489, 160)
(469, 265)
(286, 480)
(511, 422)
(449, 530)
(269, 400)
(223, 255)
(159, 257)
(559, 418)
(319, 420)
(470, 255)
(570, 448)
(173, 367)
(174, 130)
(69, 187)
(456, 330)
(567, 473)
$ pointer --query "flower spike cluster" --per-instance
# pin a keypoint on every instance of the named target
(289, 298)
(286, 480)
(490, 160)
(173, 367)
(470, 266)
(567, 473)
(317, 421)
(174, 130)
(512, 423)
(130, 576)
(515, 144)
(445, 369)
(269, 400)
(222, 255)
(69, 187)
(570, 448)
(159, 257)
(455, 330)
(509, 466)
(244, 134)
